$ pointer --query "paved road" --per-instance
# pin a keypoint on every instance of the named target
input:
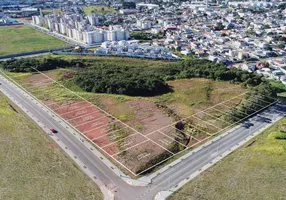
(164, 181)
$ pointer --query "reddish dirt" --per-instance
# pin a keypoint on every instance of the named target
(94, 125)
(78, 112)
(70, 106)
(87, 117)
(148, 116)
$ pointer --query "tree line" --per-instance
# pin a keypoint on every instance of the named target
(141, 79)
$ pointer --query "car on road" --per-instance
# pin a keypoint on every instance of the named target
(53, 130)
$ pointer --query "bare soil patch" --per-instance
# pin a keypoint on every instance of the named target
(148, 116)
(40, 79)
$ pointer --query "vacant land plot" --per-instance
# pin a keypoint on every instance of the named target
(20, 39)
(194, 111)
(256, 171)
(99, 10)
(32, 166)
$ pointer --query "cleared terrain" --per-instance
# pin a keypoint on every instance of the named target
(20, 39)
(255, 171)
(32, 166)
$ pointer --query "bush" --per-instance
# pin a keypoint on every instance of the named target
(281, 136)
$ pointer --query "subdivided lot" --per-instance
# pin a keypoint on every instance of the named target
(255, 171)
(21, 39)
(32, 165)
(149, 129)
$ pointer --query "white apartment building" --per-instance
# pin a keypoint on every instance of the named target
(82, 30)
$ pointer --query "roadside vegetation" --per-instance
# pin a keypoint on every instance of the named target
(255, 171)
(33, 166)
(20, 39)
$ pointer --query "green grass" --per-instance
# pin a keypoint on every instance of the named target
(98, 9)
(112, 60)
(51, 11)
(196, 93)
(20, 39)
(255, 171)
(33, 167)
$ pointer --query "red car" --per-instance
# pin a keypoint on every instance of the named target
(53, 130)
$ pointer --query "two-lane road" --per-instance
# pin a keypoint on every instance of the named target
(165, 180)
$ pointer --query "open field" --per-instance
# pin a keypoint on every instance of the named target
(99, 10)
(255, 171)
(51, 11)
(20, 39)
(33, 166)
(150, 129)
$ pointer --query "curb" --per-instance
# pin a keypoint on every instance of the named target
(164, 194)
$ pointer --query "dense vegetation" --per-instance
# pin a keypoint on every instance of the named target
(141, 79)
(121, 80)
(32, 65)
(140, 35)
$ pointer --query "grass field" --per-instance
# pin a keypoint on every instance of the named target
(51, 11)
(256, 171)
(32, 166)
(20, 39)
(99, 10)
